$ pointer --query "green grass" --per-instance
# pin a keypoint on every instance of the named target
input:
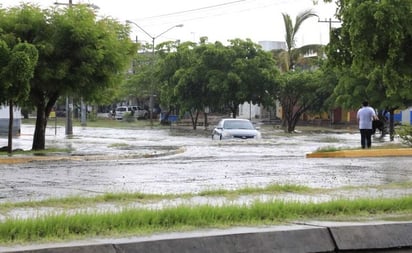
(38, 152)
(125, 197)
(329, 149)
(74, 224)
(384, 146)
(330, 140)
(390, 146)
(270, 189)
(119, 145)
(142, 221)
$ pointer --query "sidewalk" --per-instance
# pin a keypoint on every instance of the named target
(293, 238)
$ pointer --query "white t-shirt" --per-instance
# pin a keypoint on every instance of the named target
(365, 116)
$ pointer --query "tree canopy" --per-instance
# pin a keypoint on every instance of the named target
(217, 76)
(372, 53)
(16, 70)
(78, 54)
(291, 30)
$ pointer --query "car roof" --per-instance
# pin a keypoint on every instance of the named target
(230, 119)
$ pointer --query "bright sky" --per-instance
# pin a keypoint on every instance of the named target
(219, 20)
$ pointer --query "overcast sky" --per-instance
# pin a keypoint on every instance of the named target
(219, 20)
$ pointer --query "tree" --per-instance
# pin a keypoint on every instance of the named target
(78, 55)
(184, 83)
(288, 61)
(217, 76)
(302, 91)
(290, 35)
(372, 55)
(17, 68)
(138, 83)
(249, 73)
(144, 80)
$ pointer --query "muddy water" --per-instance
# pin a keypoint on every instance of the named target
(202, 164)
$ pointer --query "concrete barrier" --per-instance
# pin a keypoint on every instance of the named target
(362, 153)
(309, 237)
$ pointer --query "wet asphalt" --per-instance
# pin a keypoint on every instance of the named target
(169, 161)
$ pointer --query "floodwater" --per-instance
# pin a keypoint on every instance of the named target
(170, 161)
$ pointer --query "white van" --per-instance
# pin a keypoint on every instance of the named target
(120, 111)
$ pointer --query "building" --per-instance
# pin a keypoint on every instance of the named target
(268, 45)
(4, 120)
(404, 117)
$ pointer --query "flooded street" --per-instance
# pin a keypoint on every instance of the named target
(167, 161)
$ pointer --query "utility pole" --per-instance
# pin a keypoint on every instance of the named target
(69, 100)
(330, 21)
(69, 105)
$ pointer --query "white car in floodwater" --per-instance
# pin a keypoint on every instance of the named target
(235, 129)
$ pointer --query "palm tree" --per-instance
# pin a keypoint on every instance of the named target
(291, 31)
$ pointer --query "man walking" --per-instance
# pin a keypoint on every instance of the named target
(365, 117)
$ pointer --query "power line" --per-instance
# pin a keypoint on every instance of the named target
(208, 12)
(194, 10)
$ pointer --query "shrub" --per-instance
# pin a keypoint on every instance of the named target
(92, 116)
(405, 133)
(129, 117)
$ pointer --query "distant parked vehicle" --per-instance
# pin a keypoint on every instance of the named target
(235, 129)
(121, 111)
(140, 112)
(134, 110)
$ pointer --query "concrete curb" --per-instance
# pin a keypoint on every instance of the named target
(309, 237)
(362, 153)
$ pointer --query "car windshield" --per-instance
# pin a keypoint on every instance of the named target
(237, 124)
(121, 109)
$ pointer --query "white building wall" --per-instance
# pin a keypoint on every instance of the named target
(249, 111)
(4, 120)
(406, 116)
(268, 45)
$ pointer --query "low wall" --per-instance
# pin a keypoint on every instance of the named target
(308, 237)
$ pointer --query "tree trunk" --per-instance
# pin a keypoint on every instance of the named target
(233, 109)
(284, 122)
(39, 137)
(391, 124)
(44, 107)
(293, 122)
(205, 119)
(194, 119)
(10, 135)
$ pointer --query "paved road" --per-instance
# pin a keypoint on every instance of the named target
(203, 164)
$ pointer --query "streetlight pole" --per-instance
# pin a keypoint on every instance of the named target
(153, 62)
(69, 99)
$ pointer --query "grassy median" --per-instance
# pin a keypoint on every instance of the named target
(70, 225)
